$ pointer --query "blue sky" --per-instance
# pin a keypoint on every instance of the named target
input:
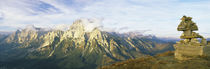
(157, 17)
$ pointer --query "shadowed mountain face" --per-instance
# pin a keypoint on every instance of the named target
(75, 48)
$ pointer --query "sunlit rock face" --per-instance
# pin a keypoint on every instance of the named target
(50, 37)
(76, 30)
(26, 36)
(22, 36)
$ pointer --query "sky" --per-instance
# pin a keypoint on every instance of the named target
(156, 17)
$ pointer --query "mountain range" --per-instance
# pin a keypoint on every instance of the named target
(37, 48)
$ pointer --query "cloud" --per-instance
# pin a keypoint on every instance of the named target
(160, 16)
(91, 24)
(1, 16)
(6, 28)
(63, 27)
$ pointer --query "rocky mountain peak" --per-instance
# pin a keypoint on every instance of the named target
(77, 26)
(88, 24)
(82, 26)
(29, 33)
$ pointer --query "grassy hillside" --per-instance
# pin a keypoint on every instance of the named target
(161, 61)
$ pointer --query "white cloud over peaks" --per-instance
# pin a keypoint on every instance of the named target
(91, 23)
(159, 16)
(63, 27)
(1, 16)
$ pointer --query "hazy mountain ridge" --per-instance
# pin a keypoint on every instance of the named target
(77, 47)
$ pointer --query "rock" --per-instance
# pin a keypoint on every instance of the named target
(190, 52)
(190, 47)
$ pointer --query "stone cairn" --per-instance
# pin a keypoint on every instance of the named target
(190, 47)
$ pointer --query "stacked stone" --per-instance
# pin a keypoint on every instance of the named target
(190, 46)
